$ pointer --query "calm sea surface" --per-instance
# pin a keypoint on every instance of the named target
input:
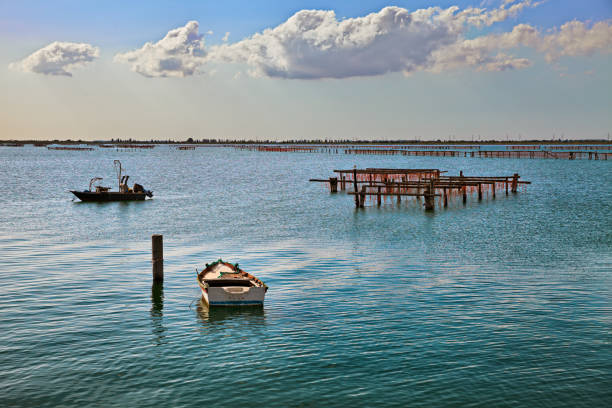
(504, 302)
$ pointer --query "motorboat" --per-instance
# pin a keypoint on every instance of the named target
(100, 194)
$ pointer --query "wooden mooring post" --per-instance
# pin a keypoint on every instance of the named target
(158, 258)
(362, 196)
(429, 197)
(355, 187)
(463, 189)
(515, 178)
(333, 184)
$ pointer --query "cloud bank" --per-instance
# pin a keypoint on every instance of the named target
(576, 39)
(572, 39)
(314, 44)
(179, 54)
(58, 58)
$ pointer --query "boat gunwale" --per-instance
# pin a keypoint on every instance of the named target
(237, 270)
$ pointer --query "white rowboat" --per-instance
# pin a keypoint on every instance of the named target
(225, 284)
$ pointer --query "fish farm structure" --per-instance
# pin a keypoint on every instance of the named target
(376, 184)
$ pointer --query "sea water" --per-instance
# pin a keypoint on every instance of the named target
(502, 302)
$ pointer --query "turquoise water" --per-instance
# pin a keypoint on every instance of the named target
(504, 302)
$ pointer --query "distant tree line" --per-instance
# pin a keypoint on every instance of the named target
(207, 141)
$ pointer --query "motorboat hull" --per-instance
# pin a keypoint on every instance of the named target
(108, 196)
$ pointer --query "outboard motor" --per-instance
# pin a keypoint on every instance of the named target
(140, 189)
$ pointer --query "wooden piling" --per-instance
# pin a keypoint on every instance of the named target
(362, 196)
(463, 189)
(333, 184)
(445, 198)
(479, 191)
(378, 196)
(515, 178)
(429, 197)
(342, 184)
(158, 258)
(355, 187)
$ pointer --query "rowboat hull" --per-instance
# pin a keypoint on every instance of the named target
(90, 196)
(233, 296)
(224, 284)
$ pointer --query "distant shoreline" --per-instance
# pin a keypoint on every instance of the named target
(9, 142)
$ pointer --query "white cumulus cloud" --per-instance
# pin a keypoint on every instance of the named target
(485, 53)
(479, 16)
(575, 38)
(58, 58)
(314, 44)
(179, 54)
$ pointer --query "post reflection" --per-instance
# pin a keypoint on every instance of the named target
(157, 314)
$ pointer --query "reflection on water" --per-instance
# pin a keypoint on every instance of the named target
(157, 314)
(221, 315)
(121, 204)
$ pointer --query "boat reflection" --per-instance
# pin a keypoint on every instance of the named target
(215, 315)
(157, 314)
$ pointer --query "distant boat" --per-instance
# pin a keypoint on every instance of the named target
(224, 284)
(102, 194)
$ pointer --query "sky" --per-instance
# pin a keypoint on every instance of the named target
(287, 70)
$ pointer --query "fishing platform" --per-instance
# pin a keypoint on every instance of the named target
(378, 184)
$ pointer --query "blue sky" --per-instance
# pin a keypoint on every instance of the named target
(533, 87)
(116, 23)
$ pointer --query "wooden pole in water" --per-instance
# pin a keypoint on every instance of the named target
(158, 258)
(378, 196)
(355, 186)
(479, 191)
(463, 189)
(363, 196)
(429, 197)
(333, 184)
(399, 192)
(445, 198)
(515, 178)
